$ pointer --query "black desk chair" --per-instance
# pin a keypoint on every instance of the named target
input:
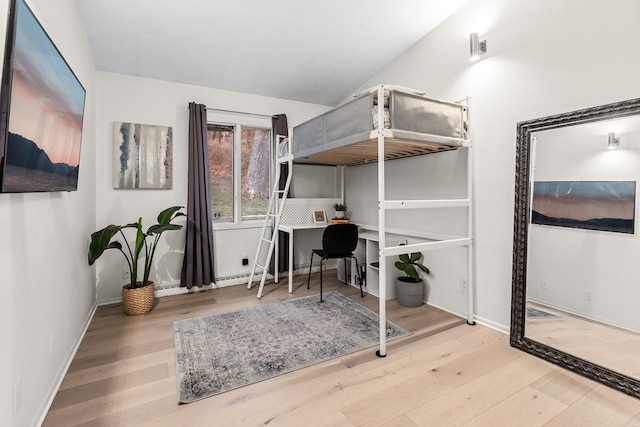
(338, 241)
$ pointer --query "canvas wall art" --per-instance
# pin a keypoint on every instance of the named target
(142, 156)
(592, 205)
(42, 110)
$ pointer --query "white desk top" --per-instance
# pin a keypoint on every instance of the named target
(288, 228)
(392, 239)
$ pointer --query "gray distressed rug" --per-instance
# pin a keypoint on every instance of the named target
(535, 313)
(225, 351)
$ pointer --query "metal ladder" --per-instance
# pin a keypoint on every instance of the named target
(273, 215)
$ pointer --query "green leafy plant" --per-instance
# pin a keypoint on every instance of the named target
(408, 263)
(340, 207)
(145, 242)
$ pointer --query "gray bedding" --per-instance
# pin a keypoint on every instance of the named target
(408, 116)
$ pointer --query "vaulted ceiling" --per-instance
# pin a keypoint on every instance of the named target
(315, 51)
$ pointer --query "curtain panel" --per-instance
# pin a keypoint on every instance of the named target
(198, 264)
(279, 126)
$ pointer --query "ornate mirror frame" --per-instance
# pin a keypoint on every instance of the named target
(525, 130)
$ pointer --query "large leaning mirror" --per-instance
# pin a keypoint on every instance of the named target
(576, 262)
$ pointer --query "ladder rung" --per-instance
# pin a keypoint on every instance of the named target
(277, 196)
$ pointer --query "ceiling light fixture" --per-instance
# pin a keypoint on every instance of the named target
(478, 47)
(613, 141)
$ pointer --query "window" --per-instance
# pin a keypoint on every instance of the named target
(239, 166)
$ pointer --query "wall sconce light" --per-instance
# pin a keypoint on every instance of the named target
(478, 47)
(613, 142)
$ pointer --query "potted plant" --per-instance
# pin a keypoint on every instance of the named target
(409, 288)
(340, 209)
(137, 295)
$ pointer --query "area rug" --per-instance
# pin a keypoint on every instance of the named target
(225, 351)
(538, 314)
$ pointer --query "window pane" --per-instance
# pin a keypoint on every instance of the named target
(255, 172)
(220, 141)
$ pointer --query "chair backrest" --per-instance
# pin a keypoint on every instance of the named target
(339, 240)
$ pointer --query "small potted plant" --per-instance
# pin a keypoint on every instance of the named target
(409, 288)
(138, 296)
(341, 209)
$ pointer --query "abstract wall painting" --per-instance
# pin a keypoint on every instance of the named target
(142, 156)
(592, 205)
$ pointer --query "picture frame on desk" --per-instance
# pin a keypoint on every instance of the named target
(319, 217)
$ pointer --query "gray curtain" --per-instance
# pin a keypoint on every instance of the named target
(280, 127)
(197, 266)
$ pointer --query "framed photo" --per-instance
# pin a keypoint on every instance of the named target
(319, 217)
(592, 205)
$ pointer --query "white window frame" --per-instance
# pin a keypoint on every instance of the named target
(238, 121)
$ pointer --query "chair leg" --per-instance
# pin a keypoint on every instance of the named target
(359, 276)
(310, 264)
(346, 274)
(321, 259)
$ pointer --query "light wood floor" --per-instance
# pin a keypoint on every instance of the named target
(446, 374)
(614, 348)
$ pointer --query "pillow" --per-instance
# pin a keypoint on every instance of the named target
(387, 88)
(392, 87)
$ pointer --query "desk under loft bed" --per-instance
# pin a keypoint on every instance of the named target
(412, 125)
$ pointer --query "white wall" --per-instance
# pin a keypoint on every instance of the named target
(570, 261)
(544, 57)
(410, 179)
(140, 100)
(48, 288)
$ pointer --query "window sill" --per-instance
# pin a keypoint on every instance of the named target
(237, 225)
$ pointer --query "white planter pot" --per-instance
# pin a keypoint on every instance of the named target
(339, 214)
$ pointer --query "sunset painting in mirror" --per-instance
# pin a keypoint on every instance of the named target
(46, 106)
(593, 205)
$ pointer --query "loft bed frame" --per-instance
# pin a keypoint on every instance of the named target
(413, 125)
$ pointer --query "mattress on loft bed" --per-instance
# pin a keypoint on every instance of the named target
(411, 117)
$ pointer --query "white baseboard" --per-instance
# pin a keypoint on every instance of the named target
(109, 301)
(168, 289)
(55, 386)
(443, 307)
(478, 319)
(499, 327)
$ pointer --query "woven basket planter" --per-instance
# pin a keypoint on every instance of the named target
(139, 300)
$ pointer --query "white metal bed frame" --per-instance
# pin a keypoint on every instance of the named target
(384, 205)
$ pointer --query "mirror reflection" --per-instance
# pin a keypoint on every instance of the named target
(583, 246)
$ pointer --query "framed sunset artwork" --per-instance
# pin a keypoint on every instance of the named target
(592, 205)
(42, 110)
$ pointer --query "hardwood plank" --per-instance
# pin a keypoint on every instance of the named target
(133, 416)
(600, 407)
(119, 367)
(635, 422)
(564, 386)
(93, 390)
(605, 345)
(401, 421)
(528, 407)
(394, 401)
(486, 358)
(124, 375)
(400, 369)
(113, 402)
(463, 404)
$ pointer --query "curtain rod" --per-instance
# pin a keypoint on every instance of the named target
(240, 112)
